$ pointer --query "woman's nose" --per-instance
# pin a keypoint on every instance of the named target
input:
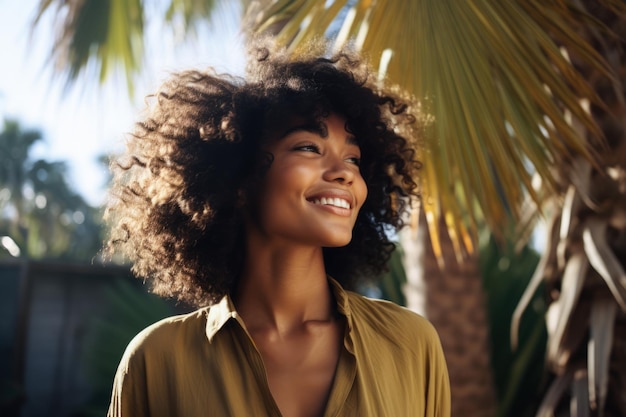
(337, 169)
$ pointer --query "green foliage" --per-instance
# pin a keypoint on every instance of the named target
(99, 38)
(111, 31)
(191, 12)
(392, 283)
(131, 309)
(39, 211)
(518, 374)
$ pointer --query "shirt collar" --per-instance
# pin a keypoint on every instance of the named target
(218, 314)
(343, 303)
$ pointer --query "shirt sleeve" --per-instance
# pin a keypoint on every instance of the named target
(438, 402)
(129, 396)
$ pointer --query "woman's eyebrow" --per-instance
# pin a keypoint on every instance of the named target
(317, 128)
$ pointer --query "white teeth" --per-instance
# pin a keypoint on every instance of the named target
(337, 202)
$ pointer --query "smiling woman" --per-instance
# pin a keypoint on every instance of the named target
(259, 200)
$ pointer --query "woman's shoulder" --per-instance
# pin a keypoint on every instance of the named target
(166, 335)
(383, 309)
(391, 320)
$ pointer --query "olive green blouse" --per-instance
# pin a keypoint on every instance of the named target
(205, 364)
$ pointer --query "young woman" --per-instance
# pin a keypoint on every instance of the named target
(259, 200)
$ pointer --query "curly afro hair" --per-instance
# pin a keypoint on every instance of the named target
(175, 205)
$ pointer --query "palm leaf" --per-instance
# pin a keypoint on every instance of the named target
(601, 325)
(191, 11)
(502, 99)
(517, 371)
(107, 33)
(100, 37)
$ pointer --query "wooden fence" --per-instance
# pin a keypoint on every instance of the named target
(47, 312)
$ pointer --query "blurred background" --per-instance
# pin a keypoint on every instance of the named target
(516, 253)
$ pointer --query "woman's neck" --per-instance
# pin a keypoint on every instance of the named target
(283, 289)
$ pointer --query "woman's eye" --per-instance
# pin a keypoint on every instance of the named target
(354, 160)
(308, 148)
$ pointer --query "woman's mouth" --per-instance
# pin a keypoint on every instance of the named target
(332, 201)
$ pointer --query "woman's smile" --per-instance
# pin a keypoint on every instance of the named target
(335, 201)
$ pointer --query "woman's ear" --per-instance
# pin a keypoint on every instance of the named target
(242, 198)
(265, 162)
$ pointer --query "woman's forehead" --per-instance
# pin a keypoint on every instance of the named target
(314, 123)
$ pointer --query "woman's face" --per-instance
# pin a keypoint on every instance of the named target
(313, 189)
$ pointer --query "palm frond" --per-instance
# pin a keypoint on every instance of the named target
(603, 260)
(557, 389)
(579, 404)
(562, 329)
(534, 283)
(191, 11)
(502, 99)
(108, 34)
(99, 38)
(602, 320)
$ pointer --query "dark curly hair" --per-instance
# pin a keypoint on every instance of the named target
(176, 208)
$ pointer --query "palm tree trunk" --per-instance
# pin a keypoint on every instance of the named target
(586, 258)
(454, 301)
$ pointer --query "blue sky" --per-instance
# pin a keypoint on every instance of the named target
(91, 119)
